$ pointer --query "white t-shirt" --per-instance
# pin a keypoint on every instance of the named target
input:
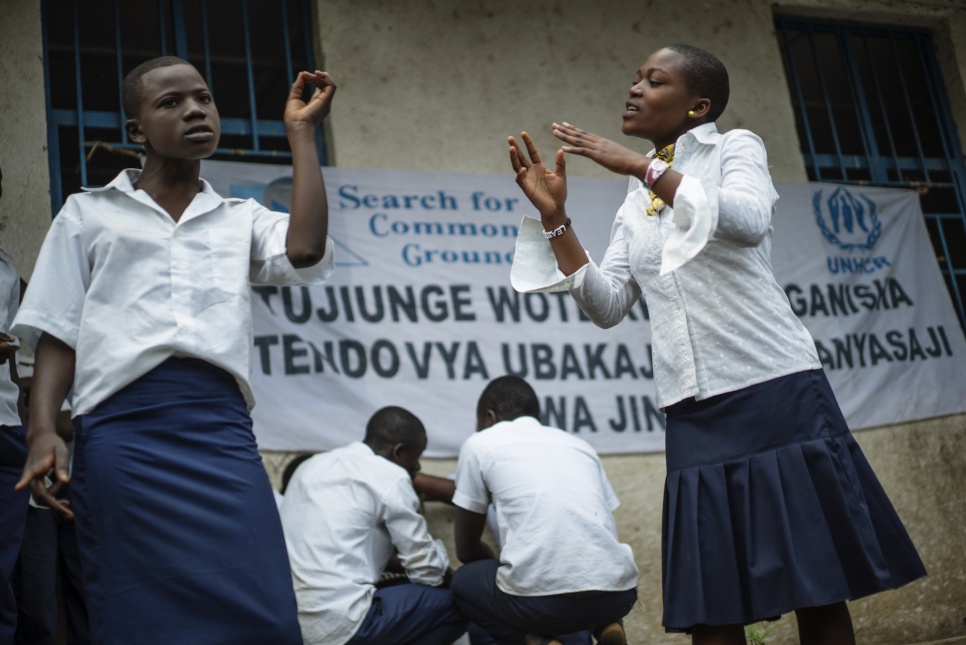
(127, 287)
(344, 512)
(9, 302)
(554, 507)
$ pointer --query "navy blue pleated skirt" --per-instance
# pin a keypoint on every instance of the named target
(179, 534)
(770, 506)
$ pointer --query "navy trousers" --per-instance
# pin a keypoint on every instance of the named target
(509, 618)
(411, 614)
(13, 517)
(49, 570)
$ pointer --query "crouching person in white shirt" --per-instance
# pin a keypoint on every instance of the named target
(561, 568)
(346, 513)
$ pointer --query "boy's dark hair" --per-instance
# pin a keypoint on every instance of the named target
(392, 425)
(706, 76)
(509, 397)
(132, 90)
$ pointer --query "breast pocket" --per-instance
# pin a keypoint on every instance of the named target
(230, 259)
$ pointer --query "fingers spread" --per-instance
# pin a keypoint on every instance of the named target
(561, 162)
(531, 148)
(517, 158)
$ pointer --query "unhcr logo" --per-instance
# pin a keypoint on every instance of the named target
(849, 224)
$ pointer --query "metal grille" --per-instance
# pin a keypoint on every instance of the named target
(871, 109)
(247, 50)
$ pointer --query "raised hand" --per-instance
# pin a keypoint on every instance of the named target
(297, 111)
(610, 155)
(546, 190)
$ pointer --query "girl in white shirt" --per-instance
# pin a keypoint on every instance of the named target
(770, 506)
(140, 300)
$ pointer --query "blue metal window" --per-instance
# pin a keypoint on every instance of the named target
(871, 108)
(247, 50)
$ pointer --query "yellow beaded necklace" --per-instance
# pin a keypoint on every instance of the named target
(667, 154)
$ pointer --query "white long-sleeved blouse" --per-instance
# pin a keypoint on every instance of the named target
(720, 321)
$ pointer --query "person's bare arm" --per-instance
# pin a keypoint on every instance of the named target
(434, 489)
(309, 214)
(46, 450)
(468, 533)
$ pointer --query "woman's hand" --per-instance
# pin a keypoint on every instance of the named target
(546, 190)
(610, 155)
(297, 111)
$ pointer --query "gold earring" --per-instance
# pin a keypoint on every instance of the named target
(690, 112)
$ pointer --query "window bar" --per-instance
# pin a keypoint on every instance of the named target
(162, 28)
(288, 42)
(177, 26)
(954, 160)
(860, 108)
(954, 163)
(204, 38)
(904, 90)
(882, 109)
(827, 100)
(53, 130)
(251, 77)
(801, 102)
(80, 96)
(120, 68)
(306, 21)
(957, 295)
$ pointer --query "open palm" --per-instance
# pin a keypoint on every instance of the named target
(546, 190)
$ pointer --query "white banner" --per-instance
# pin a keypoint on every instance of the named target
(420, 312)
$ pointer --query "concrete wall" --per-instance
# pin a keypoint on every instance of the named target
(25, 205)
(439, 84)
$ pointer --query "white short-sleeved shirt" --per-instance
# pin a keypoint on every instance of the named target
(343, 514)
(127, 287)
(554, 506)
(9, 302)
(720, 321)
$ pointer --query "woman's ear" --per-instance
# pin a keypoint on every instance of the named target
(133, 129)
(700, 109)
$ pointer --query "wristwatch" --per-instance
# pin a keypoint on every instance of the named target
(654, 171)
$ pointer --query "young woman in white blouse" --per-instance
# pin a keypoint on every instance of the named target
(770, 506)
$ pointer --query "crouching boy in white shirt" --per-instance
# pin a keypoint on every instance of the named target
(561, 568)
(345, 514)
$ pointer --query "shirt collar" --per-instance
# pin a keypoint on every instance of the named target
(206, 200)
(706, 133)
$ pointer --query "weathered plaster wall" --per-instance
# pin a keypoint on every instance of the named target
(25, 205)
(438, 84)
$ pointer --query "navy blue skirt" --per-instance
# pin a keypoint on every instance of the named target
(770, 506)
(179, 534)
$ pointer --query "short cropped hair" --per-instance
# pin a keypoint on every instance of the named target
(509, 397)
(706, 76)
(392, 425)
(132, 90)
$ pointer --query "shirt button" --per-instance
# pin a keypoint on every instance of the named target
(179, 265)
